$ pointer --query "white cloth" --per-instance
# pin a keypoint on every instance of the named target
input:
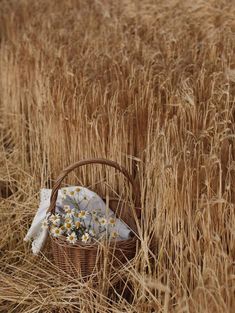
(88, 201)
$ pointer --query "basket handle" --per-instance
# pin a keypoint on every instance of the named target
(67, 170)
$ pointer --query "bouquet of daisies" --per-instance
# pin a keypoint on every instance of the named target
(77, 223)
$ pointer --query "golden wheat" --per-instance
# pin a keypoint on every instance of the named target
(149, 84)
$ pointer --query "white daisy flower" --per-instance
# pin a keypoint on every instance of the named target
(96, 220)
(45, 224)
(76, 214)
(56, 231)
(114, 235)
(70, 214)
(77, 224)
(69, 211)
(83, 214)
(63, 229)
(72, 238)
(67, 208)
(55, 219)
(85, 237)
(112, 221)
(103, 221)
(68, 226)
(68, 219)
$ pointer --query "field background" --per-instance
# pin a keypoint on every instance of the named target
(149, 84)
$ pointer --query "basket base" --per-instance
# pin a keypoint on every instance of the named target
(87, 261)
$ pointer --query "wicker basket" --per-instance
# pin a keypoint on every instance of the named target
(86, 259)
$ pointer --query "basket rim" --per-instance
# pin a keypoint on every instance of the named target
(61, 241)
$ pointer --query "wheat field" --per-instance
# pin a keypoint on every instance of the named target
(151, 85)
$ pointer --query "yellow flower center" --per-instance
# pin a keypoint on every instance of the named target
(68, 225)
(77, 224)
(82, 214)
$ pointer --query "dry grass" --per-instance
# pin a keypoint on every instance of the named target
(151, 85)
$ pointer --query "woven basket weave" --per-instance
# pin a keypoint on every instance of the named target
(83, 259)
